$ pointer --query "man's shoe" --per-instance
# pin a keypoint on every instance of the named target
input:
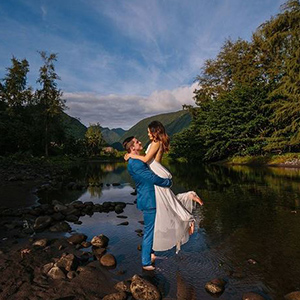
(148, 268)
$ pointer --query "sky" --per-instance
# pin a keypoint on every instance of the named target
(123, 60)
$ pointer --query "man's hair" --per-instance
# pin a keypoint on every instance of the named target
(128, 143)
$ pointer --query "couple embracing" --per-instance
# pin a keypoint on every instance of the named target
(168, 219)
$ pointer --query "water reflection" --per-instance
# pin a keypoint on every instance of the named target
(249, 213)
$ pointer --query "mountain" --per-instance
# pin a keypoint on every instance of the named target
(173, 122)
(112, 136)
(73, 127)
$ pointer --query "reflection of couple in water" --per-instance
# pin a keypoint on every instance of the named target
(168, 219)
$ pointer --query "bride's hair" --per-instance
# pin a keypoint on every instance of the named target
(158, 132)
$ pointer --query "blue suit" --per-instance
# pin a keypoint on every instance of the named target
(145, 180)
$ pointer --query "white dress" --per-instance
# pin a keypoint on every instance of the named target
(173, 213)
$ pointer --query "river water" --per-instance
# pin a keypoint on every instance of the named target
(246, 233)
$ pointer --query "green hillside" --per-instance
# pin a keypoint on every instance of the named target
(73, 127)
(173, 122)
(110, 135)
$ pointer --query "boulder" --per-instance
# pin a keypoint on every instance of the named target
(253, 296)
(100, 241)
(72, 218)
(68, 262)
(98, 252)
(293, 296)
(71, 274)
(143, 290)
(47, 267)
(77, 238)
(58, 216)
(40, 243)
(60, 227)
(59, 207)
(42, 223)
(123, 286)
(215, 286)
(115, 296)
(56, 273)
(108, 260)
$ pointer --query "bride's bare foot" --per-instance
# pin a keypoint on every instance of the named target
(197, 199)
(153, 257)
(192, 228)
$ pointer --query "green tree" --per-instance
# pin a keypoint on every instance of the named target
(49, 97)
(94, 140)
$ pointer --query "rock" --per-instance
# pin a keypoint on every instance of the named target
(141, 222)
(124, 223)
(252, 296)
(68, 262)
(86, 244)
(215, 286)
(115, 296)
(98, 252)
(72, 218)
(100, 241)
(71, 274)
(123, 286)
(118, 209)
(72, 211)
(143, 290)
(293, 296)
(60, 227)
(56, 273)
(251, 261)
(122, 217)
(42, 223)
(77, 238)
(108, 260)
(41, 243)
(47, 267)
(58, 216)
(59, 207)
(139, 231)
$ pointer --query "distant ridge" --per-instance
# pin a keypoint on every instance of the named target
(174, 122)
(74, 128)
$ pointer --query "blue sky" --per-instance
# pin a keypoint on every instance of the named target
(123, 60)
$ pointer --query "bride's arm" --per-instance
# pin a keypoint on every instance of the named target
(150, 155)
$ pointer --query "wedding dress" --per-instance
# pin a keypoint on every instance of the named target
(173, 213)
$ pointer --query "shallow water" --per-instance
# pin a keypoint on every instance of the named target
(248, 214)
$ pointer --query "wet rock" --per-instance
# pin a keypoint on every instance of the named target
(42, 223)
(108, 260)
(100, 241)
(71, 274)
(139, 231)
(133, 193)
(293, 296)
(124, 223)
(78, 222)
(41, 243)
(56, 273)
(141, 222)
(77, 238)
(59, 207)
(86, 244)
(143, 290)
(123, 286)
(98, 252)
(251, 261)
(46, 268)
(115, 296)
(215, 286)
(118, 209)
(68, 262)
(252, 296)
(58, 216)
(78, 204)
(60, 227)
(72, 211)
(72, 218)
(122, 217)
(116, 184)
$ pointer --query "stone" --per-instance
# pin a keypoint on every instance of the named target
(215, 286)
(71, 274)
(293, 296)
(41, 243)
(118, 209)
(86, 244)
(68, 262)
(98, 252)
(58, 216)
(72, 218)
(59, 207)
(108, 260)
(100, 241)
(47, 267)
(253, 296)
(143, 290)
(115, 296)
(60, 227)
(123, 286)
(77, 238)
(56, 273)
(42, 223)
(124, 223)
(122, 217)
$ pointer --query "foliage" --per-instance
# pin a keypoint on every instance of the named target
(94, 140)
(248, 99)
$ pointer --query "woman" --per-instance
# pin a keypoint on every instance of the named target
(174, 221)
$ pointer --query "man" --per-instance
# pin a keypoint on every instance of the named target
(145, 180)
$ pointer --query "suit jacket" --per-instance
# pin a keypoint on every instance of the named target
(145, 180)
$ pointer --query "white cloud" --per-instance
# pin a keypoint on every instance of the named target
(126, 110)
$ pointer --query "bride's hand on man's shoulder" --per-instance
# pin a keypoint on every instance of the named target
(127, 156)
